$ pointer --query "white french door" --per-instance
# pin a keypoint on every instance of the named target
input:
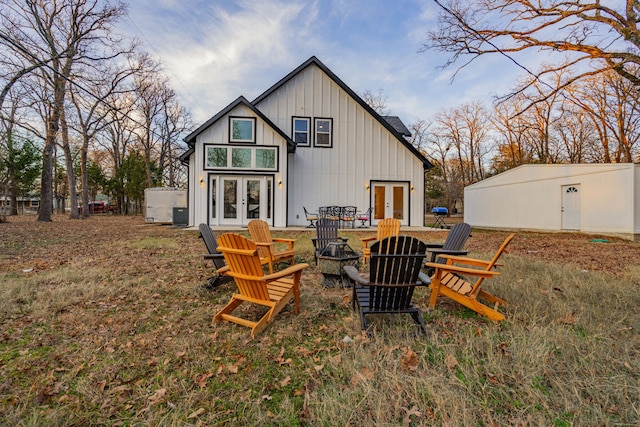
(236, 200)
(390, 200)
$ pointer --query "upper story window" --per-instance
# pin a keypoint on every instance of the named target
(302, 131)
(323, 132)
(240, 158)
(242, 129)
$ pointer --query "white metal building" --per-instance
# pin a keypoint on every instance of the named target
(310, 141)
(593, 198)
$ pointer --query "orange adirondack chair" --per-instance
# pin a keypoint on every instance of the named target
(261, 236)
(447, 281)
(388, 227)
(274, 290)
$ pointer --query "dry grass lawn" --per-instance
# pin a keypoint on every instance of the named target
(105, 322)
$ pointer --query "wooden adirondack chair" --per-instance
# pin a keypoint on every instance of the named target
(326, 234)
(261, 236)
(274, 290)
(386, 228)
(393, 276)
(452, 245)
(216, 257)
(448, 281)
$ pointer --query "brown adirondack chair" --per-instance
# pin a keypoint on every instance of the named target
(386, 228)
(393, 276)
(261, 236)
(220, 278)
(274, 291)
(449, 280)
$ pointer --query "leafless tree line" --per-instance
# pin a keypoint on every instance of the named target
(581, 109)
(68, 80)
(594, 120)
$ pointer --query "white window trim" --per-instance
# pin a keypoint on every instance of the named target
(315, 132)
(252, 120)
(230, 148)
(309, 132)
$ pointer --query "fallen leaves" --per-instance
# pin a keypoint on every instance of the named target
(568, 319)
(201, 379)
(158, 397)
(409, 360)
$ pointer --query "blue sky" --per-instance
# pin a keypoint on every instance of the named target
(215, 51)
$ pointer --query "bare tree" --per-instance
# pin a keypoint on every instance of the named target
(598, 36)
(377, 101)
(612, 105)
(52, 37)
(93, 111)
(511, 129)
(152, 95)
(466, 129)
(173, 123)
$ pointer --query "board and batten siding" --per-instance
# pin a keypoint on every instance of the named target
(529, 197)
(363, 149)
(218, 133)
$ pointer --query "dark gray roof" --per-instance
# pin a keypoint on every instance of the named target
(397, 125)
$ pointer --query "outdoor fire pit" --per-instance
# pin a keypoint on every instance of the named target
(331, 261)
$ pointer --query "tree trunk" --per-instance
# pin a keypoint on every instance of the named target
(45, 209)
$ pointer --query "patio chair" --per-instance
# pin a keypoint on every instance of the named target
(348, 215)
(364, 217)
(386, 228)
(449, 281)
(274, 290)
(261, 235)
(393, 276)
(311, 217)
(219, 278)
(452, 245)
(326, 234)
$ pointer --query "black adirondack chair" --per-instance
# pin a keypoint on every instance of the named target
(326, 234)
(219, 278)
(452, 245)
(393, 276)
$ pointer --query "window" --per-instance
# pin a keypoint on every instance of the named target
(240, 157)
(301, 128)
(323, 132)
(216, 157)
(265, 158)
(242, 129)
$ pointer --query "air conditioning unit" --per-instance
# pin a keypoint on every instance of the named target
(180, 217)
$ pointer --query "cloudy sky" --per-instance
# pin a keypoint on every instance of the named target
(215, 51)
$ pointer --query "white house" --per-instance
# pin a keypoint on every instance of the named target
(593, 198)
(308, 141)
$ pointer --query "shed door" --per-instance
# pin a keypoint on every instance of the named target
(571, 207)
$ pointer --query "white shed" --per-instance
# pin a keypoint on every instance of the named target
(592, 198)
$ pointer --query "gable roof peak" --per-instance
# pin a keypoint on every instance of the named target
(315, 61)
